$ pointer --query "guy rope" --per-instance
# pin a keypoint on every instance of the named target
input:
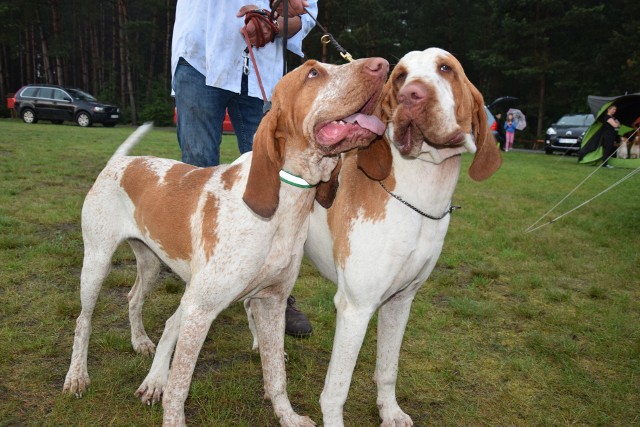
(533, 227)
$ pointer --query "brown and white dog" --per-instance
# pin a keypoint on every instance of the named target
(378, 250)
(231, 232)
(623, 148)
(634, 149)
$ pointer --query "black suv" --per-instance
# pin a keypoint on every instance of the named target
(56, 103)
(566, 134)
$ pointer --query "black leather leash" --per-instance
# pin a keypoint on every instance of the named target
(328, 38)
(285, 30)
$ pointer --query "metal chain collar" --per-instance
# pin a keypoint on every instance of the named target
(450, 209)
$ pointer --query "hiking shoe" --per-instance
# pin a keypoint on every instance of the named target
(296, 322)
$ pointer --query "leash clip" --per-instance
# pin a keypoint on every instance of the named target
(347, 56)
(245, 61)
(328, 38)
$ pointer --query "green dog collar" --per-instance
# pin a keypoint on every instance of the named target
(294, 180)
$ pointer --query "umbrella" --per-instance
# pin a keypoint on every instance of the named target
(518, 116)
(504, 102)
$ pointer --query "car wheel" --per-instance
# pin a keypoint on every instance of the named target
(548, 150)
(83, 119)
(29, 116)
(57, 122)
(108, 125)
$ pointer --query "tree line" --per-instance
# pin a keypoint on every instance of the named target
(550, 54)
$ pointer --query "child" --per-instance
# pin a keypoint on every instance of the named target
(510, 132)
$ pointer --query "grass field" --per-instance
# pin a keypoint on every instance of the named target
(512, 329)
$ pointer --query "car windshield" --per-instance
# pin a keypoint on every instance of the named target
(79, 95)
(576, 120)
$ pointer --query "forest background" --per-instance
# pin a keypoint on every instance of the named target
(550, 54)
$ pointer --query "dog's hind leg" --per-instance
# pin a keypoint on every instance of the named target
(148, 266)
(151, 389)
(95, 268)
(252, 323)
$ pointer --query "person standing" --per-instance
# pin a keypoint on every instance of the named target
(211, 73)
(509, 132)
(500, 130)
(609, 135)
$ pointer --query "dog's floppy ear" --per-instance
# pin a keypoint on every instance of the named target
(389, 97)
(487, 159)
(326, 190)
(375, 160)
(263, 183)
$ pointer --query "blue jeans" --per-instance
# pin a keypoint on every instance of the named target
(201, 110)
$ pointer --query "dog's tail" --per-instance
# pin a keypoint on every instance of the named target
(133, 139)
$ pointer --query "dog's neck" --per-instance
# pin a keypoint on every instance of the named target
(425, 184)
(313, 169)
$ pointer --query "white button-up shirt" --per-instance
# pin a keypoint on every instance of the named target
(207, 34)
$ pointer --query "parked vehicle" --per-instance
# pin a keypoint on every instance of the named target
(59, 104)
(566, 134)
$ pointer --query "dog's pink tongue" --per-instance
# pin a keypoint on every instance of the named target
(371, 123)
(334, 132)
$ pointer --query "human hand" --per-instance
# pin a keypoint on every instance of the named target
(258, 30)
(295, 7)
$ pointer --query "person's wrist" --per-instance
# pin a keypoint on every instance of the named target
(280, 23)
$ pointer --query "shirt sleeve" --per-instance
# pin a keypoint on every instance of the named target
(294, 44)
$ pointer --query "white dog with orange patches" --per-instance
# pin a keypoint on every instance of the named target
(232, 232)
(378, 250)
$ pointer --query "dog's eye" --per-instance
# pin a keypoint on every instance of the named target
(313, 73)
(400, 78)
(445, 68)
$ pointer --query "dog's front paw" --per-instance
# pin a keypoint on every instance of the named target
(76, 383)
(150, 391)
(394, 417)
(295, 420)
(144, 346)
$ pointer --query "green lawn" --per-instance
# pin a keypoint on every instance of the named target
(511, 328)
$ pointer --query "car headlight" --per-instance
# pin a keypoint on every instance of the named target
(551, 131)
(98, 109)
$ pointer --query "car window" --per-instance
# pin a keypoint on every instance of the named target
(30, 92)
(59, 95)
(46, 92)
(589, 120)
(80, 95)
(574, 120)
